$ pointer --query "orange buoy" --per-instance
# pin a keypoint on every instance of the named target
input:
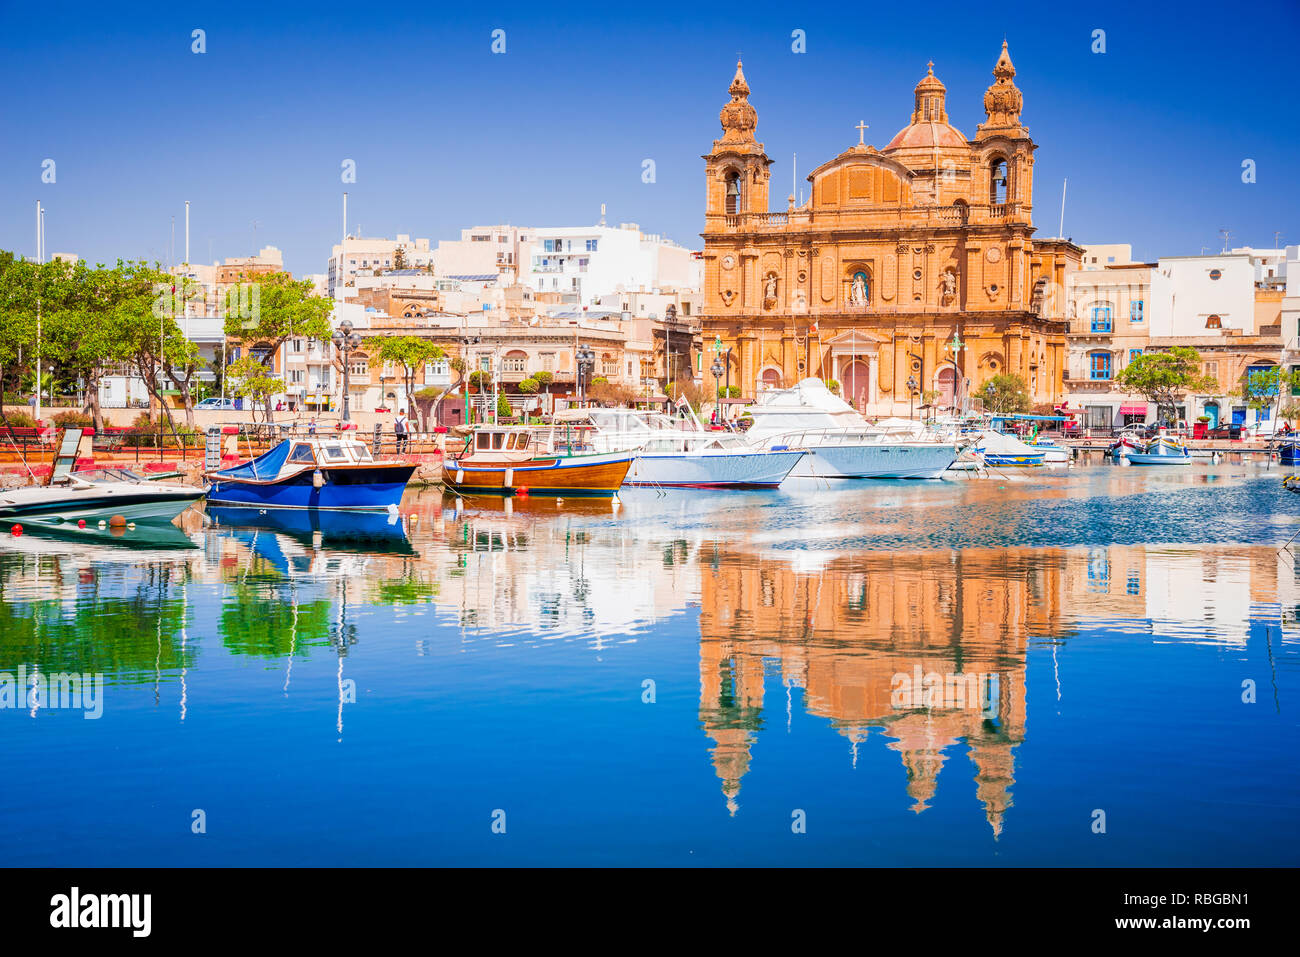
(117, 521)
(522, 491)
(17, 529)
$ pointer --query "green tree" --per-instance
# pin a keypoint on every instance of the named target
(251, 379)
(411, 354)
(1165, 377)
(503, 406)
(399, 257)
(1005, 394)
(528, 386)
(265, 314)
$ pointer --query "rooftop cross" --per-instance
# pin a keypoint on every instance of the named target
(862, 132)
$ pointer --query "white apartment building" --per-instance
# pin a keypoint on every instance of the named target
(483, 251)
(361, 256)
(584, 263)
(1203, 295)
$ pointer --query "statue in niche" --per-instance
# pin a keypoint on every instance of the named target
(769, 291)
(858, 291)
(949, 287)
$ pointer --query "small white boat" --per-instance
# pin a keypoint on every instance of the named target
(1162, 450)
(1001, 450)
(94, 495)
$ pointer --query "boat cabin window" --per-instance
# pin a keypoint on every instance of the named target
(333, 452)
(301, 453)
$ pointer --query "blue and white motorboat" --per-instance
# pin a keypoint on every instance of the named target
(1161, 450)
(1053, 454)
(1002, 450)
(1288, 453)
(313, 471)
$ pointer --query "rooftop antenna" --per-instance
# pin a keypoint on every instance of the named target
(602, 214)
(1277, 239)
(1225, 232)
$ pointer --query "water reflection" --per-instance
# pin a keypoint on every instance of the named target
(921, 653)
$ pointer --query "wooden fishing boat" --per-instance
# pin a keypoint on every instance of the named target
(533, 460)
(1162, 450)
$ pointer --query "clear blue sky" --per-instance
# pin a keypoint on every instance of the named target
(446, 134)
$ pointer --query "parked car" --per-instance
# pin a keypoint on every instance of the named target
(1228, 430)
(218, 404)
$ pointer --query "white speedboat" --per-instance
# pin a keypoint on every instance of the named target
(92, 496)
(680, 453)
(840, 442)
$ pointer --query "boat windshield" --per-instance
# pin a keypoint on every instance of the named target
(109, 475)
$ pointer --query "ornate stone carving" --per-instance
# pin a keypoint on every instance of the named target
(858, 291)
(949, 281)
(770, 290)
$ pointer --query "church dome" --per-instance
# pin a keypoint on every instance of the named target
(929, 127)
(927, 135)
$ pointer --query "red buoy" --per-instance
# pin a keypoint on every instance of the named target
(522, 491)
(81, 523)
(17, 529)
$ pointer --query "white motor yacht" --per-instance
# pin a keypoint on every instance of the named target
(840, 442)
(681, 453)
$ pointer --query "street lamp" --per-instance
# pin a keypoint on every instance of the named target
(345, 340)
(716, 369)
(586, 361)
(912, 385)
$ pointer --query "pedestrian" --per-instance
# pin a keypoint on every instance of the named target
(402, 430)
(311, 427)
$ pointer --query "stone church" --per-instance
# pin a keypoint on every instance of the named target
(910, 274)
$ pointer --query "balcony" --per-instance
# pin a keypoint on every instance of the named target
(851, 217)
(1090, 327)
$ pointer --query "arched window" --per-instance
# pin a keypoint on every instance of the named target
(998, 180)
(1213, 322)
(734, 185)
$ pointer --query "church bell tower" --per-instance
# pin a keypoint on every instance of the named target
(737, 168)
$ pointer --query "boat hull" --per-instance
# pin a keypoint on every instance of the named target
(713, 469)
(134, 504)
(1014, 460)
(1144, 458)
(596, 476)
(365, 487)
(872, 461)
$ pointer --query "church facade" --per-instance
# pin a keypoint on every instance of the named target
(910, 275)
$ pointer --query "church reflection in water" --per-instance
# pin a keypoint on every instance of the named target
(928, 649)
(922, 653)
